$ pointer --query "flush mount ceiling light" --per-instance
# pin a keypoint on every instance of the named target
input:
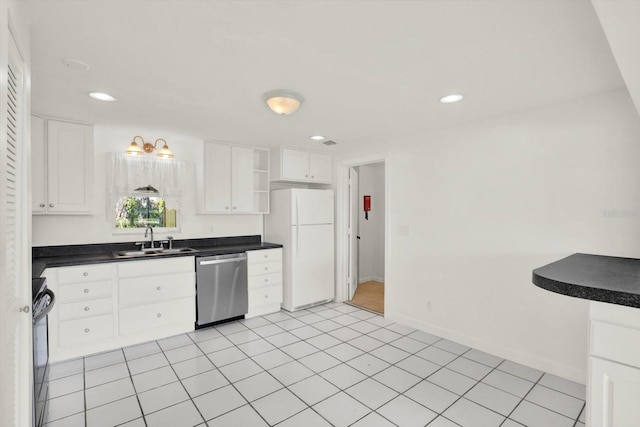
(100, 96)
(318, 137)
(283, 102)
(450, 99)
(147, 147)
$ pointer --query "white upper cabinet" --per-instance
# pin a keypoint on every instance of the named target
(241, 179)
(292, 164)
(319, 167)
(62, 167)
(295, 164)
(38, 166)
(217, 178)
(229, 182)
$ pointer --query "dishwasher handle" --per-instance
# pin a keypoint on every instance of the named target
(242, 257)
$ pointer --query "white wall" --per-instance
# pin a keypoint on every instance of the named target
(96, 228)
(473, 210)
(371, 231)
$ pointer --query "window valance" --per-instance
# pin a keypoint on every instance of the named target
(126, 173)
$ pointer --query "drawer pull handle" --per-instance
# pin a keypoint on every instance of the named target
(85, 274)
(159, 314)
(86, 291)
(86, 309)
(86, 330)
(42, 205)
(266, 256)
(51, 205)
(159, 287)
(266, 268)
(266, 280)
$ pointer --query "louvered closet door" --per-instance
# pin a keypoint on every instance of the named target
(14, 331)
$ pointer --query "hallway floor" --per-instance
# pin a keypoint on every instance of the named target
(331, 365)
(370, 296)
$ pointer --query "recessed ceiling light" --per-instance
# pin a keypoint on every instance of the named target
(102, 96)
(318, 137)
(450, 99)
(75, 64)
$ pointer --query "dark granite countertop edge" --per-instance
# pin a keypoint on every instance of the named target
(39, 264)
(604, 293)
(585, 292)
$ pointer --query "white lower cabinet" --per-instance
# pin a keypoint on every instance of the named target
(82, 319)
(613, 395)
(106, 306)
(156, 298)
(264, 270)
(614, 398)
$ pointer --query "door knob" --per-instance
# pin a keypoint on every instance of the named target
(25, 309)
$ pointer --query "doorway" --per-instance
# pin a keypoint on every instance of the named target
(367, 219)
(361, 241)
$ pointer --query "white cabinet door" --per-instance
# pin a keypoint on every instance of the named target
(320, 167)
(69, 167)
(614, 394)
(217, 175)
(38, 166)
(241, 179)
(295, 164)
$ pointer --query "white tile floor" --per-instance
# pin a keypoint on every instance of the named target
(332, 365)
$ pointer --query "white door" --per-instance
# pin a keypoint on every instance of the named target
(353, 231)
(15, 292)
(311, 206)
(241, 179)
(69, 158)
(320, 167)
(217, 174)
(295, 164)
(313, 264)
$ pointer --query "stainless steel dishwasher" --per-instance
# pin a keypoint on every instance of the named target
(221, 288)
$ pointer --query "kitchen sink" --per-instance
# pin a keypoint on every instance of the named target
(151, 252)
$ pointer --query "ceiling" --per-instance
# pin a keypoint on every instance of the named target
(371, 71)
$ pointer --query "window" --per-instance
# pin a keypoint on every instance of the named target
(142, 209)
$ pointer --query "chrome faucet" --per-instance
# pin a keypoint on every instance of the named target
(147, 231)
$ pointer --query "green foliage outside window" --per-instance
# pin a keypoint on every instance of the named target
(140, 212)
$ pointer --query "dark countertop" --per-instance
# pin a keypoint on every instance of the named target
(63, 256)
(594, 277)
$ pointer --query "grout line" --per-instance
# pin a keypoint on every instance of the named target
(283, 317)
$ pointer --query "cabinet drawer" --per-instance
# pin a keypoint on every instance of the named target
(150, 316)
(89, 290)
(157, 267)
(74, 310)
(264, 268)
(265, 255)
(85, 330)
(615, 342)
(84, 273)
(263, 296)
(145, 290)
(263, 280)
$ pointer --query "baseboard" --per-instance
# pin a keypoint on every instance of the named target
(546, 365)
(370, 279)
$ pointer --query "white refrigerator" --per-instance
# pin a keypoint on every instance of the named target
(301, 220)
